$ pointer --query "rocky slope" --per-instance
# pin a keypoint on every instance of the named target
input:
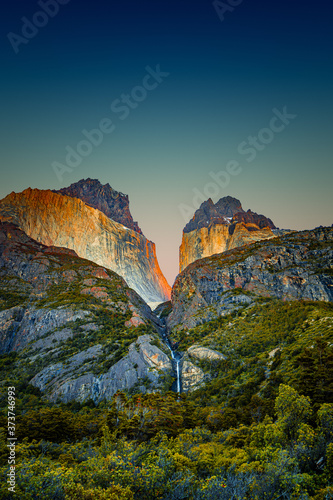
(113, 204)
(60, 220)
(218, 227)
(296, 266)
(78, 330)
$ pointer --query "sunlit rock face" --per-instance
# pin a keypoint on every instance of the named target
(294, 266)
(218, 227)
(65, 221)
(113, 204)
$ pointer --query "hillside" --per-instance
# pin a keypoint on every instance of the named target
(295, 266)
(92, 371)
(77, 330)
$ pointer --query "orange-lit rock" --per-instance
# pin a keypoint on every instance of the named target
(216, 238)
(216, 228)
(55, 219)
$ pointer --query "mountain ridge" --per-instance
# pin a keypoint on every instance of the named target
(65, 221)
(114, 204)
(79, 331)
(297, 265)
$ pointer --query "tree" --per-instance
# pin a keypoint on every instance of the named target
(292, 410)
(316, 372)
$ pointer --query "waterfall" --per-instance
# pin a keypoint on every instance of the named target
(178, 376)
(176, 357)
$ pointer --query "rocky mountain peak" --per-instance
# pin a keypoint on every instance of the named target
(250, 217)
(218, 227)
(112, 203)
(229, 206)
(56, 219)
(209, 213)
(226, 211)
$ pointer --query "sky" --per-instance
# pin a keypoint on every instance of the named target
(172, 102)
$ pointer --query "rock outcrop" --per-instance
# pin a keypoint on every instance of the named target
(205, 353)
(76, 380)
(218, 227)
(192, 376)
(296, 266)
(113, 204)
(77, 329)
(65, 221)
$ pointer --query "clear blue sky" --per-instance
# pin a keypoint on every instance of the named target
(225, 78)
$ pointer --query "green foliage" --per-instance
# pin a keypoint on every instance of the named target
(315, 374)
(13, 292)
(261, 428)
(155, 446)
(292, 410)
(145, 415)
(264, 346)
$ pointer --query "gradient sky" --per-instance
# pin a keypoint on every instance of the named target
(225, 78)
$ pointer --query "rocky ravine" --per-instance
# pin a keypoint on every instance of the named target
(66, 221)
(218, 227)
(78, 330)
(293, 266)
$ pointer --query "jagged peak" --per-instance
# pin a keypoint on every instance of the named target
(112, 203)
(225, 211)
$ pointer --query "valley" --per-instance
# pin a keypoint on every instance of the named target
(224, 391)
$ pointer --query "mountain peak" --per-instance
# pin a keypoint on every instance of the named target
(218, 227)
(209, 213)
(112, 203)
(225, 211)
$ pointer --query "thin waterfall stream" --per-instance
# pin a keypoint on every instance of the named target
(176, 356)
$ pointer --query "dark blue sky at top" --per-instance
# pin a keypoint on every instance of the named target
(225, 79)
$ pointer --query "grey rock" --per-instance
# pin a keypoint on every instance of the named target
(294, 266)
(67, 382)
(38, 322)
(10, 320)
(205, 353)
(192, 376)
(53, 339)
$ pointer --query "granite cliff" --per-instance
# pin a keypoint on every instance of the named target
(67, 221)
(218, 227)
(295, 266)
(78, 331)
(113, 204)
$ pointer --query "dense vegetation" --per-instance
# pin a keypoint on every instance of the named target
(260, 428)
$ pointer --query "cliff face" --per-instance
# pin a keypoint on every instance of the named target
(220, 227)
(218, 238)
(113, 204)
(77, 329)
(296, 266)
(60, 220)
